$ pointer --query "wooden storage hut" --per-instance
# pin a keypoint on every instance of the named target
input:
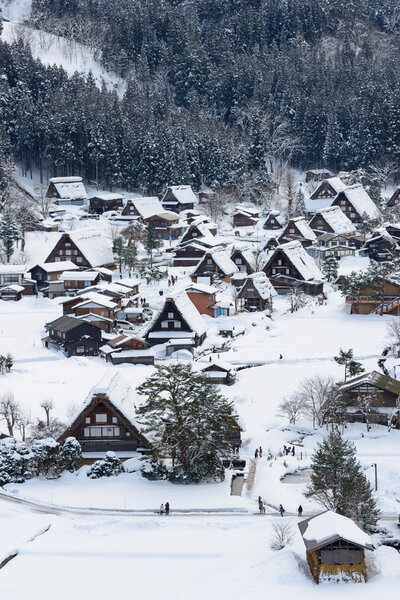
(335, 548)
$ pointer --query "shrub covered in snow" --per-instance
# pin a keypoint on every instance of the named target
(106, 467)
(17, 462)
(71, 454)
(47, 457)
(209, 469)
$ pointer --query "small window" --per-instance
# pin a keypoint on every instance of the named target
(101, 418)
(86, 432)
(87, 283)
(128, 434)
(287, 271)
(209, 261)
(280, 262)
(164, 324)
(87, 420)
(178, 324)
(114, 419)
(352, 215)
(273, 271)
(170, 315)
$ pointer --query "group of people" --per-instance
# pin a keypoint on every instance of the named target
(172, 280)
(258, 452)
(288, 450)
(261, 508)
(261, 505)
(164, 510)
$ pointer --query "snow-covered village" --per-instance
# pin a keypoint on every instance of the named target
(199, 299)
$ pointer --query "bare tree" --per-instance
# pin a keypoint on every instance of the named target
(47, 404)
(10, 411)
(290, 192)
(215, 204)
(393, 329)
(43, 201)
(318, 394)
(23, 421)
(282, 536)
(292, 408)
(235, 297)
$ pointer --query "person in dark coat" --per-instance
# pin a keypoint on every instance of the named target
(259, 499)
(261, 507)
(293, 451)
(280, 357)
(281, 510)
(256, 453)
(300, 511)
(167, 508)
(260, 452)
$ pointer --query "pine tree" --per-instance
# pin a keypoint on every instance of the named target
(300, 204)
(71, 454)
(338, 482)
(9, 234)
(118, 250)
(152, 241)
(330, 268)
(189, 419)
(351, 366)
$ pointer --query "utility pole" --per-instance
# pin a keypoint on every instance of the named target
(376, 475)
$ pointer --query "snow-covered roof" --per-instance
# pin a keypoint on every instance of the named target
(221, 259)
(188, 312)
(313, 206)
(222, 364)
(301, 260)
(13, 287)
(55, 267)
(201, 287)
(337, 220)
(246, 210)
(335, 182)
(12, 269)
(97, 298)
(78, 276)
(329, 526)
(247, 254)
(262, 284)
(69, 187)
(304, 228)
(361, 201)
(147, 206)
(96, 247)
(183, 194)
(107, 196)
(128, 282)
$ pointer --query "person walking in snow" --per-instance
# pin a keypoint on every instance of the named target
(280, 357)
(261, 507)
(259, 499)
(284, 449)
(281, 510)
(300, 511)
(167, 508)
(260, 452)
(256, 453)
(293, 451)
(162, 509)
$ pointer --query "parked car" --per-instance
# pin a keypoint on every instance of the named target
(124, 325)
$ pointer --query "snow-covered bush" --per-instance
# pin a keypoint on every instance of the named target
(71, 454)
(48, 457)
(17, 462)
(282, 536)
(106, 467)
(209, 469)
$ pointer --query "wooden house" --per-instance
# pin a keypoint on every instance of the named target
(85, 248)
(43, 273)
(290, 266)
(16, 275)
(256, 293)
(332, 244)
(393, 230)
(189, 254)
(104, 202)
(366, 302)
(381, 247)
(105, 422)
(72, 336)
(177, 319)
(331, 220)
(126, 348)
(67, 190)
(270, 244)
(335, 548)
(203, 297)
(356, 203)
(244, 259)
(298, 229)
(179, 198)
(218, 371)
(382, 393)
(328, 189)
(197, 231)
(77, 280)
(143, 207)
(274, 220)
(313, 175)
(394, 199)
(166, 224)
(215, 263)
(245, 217)
(11, 292)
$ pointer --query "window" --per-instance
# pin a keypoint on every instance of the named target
(11, 278)
(352, 215)
(114, 419)
(170, 315)
(79, 259)
(287, 271)
(87, 420)
(273, 271)
(279, 261)
(101, 418)
(104, 313)
(178, 324)
(164, 324)
(68, 252)
(209, 261)
(101, 432)
(291, 230)
(87, 283)
(238, 261)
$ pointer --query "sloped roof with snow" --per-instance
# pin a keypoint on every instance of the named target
(262, 284)
(301, 260)
(361, 201)
(337, 220)
(221, 259)
(108, 196)
(329, 526)
(304, 228)
(69, 187)
(147, 206)
(335, 182)
(183, 193)
(96, 248)
(12, 269)
(50, 267)
(188, 312)
(78, 275)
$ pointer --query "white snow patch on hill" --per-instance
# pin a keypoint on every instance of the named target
(54, 50)
(15, 10)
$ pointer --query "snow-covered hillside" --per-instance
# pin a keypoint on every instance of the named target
(15, 10)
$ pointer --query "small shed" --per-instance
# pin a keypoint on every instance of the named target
(174, 345)
(219, 371)
(335, 547)
(11, 292)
